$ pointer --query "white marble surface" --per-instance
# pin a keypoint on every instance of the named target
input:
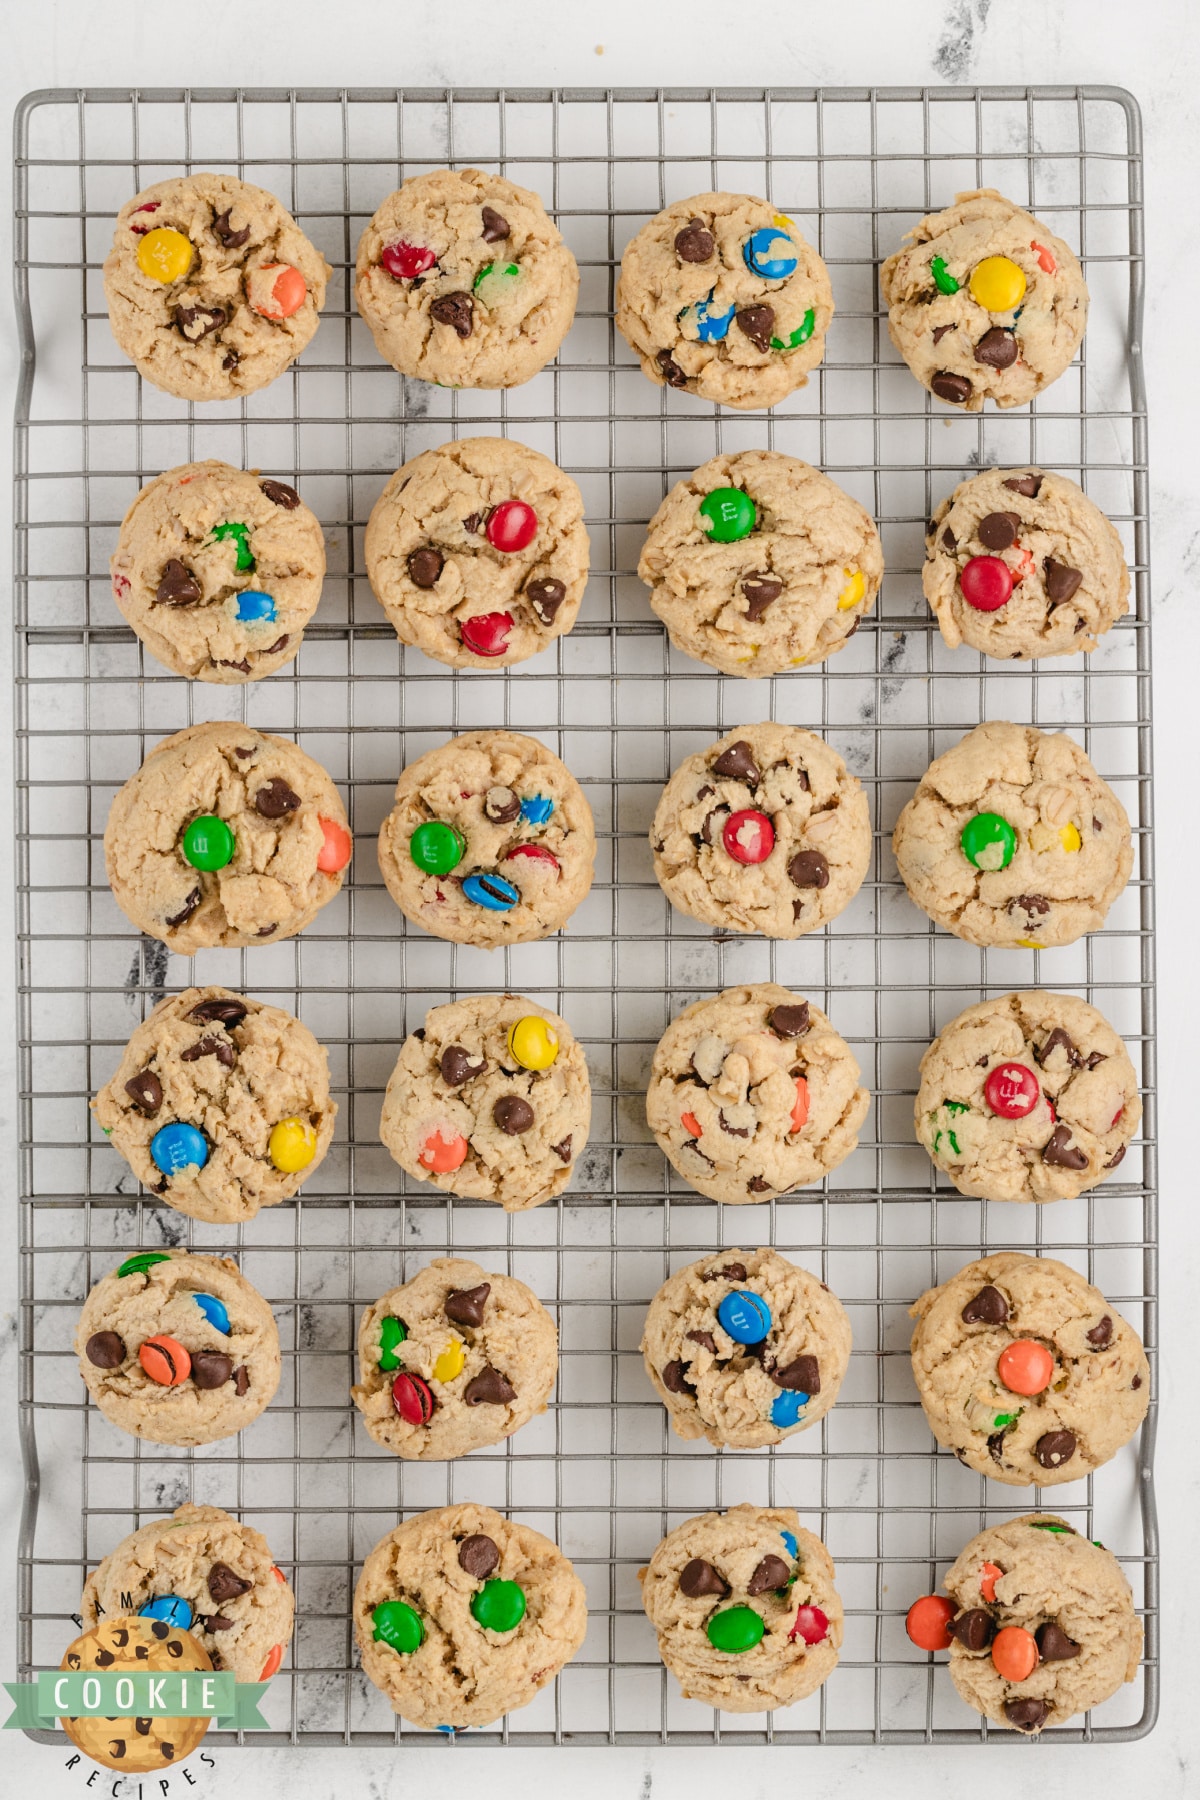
(1155, 51)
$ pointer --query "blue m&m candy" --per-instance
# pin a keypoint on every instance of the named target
(491, 891)
(789, 1543)
(770, 253)
(254, 607)
(745, 1316)
(786, 1409)
(712, 322)
(171, 1608)
(537, 809)
(178, 1147)
(214, 1311)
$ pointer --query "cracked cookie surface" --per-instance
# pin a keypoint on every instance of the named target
(751, 1558)
(1048, 845)
(1027, 1097)
(721, 296)
(786, 878)
(753, 1093)
(986, 303)
(464, 280)
(462, 1672)
(446, 586)
(202, 336)
(234, 1069)
(715, 1386)
(790, 590)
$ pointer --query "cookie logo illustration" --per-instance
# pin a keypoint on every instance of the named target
(137, 1746)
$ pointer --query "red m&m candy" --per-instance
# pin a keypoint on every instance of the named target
(511, 526)
(928, 1622)
(986, 583)
(535, 853)
(404, 262)
(1025, 1367)
(810, 1625)
(748, 836)
(1011, 1090)
(486, 633)
(412, 1398)
(800, 1109)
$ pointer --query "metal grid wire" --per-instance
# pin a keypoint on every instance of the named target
(600, 1472)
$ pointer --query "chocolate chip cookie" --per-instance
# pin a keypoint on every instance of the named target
(137, 1746)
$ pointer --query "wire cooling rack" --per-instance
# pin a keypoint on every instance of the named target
(600, 1472)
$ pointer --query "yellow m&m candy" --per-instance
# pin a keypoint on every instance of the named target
(165, 255)
(532, 1043)
(450, 1363)
(292, 1145)
(855, 588)
(997, 284)
(1070, 839)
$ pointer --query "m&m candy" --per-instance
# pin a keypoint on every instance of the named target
(449, 1365)
(215, 1311)
(145, 1259)
(495, 280)
(270, 1667)
(292, 1145)
(177, 1147)
(511, 526)
(691, 1124)
(436, 847)
(986, 583)
(735, 1630)
(1025, 1367)
(928, 1622)
(413, 1399)
(943, 280)
(498, 1606)
(536, 809)
(855, 588)
(787, 1407)
(748, 836)
(486, 633)
(443, 1153)
(799, 1116)
(1070, 839)
(532, 1042)
(1046, 261)
(988, 841)
(534, 853)
(392, 1333)
(254, 608)
(208, 843)
(789, 1543)
(811, 1625)
(336, 847)
(729, 515)
(172, 1608)
(997, 284)
(229, 531)
(491, 892)
(712, 322)
(1014, 1653)
(1012, 1091)
(989, 1575)
(745, 1315)
(404, 262)
(769, 252)
(801, 335)
(276, 290)
(165, 1361)
(398, 1626)
(165, 255)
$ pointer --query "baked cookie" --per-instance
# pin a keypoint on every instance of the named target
(137, 1746)
(1030, 1096)
(218, 571)
(463, 280)
(490, 1099)
(766, 830)
(1020, 563)
(1026, 1372)
(477, 552)
(987, 304)
(489, 841)
(758, 563)
(212, 287)
(177, 1348)
(744, 1348)
(207, 1573)
(745, 1609)
(453, 1360)
(753, 1093)
(226, 836)
(721, 296)
(1012, 839)
(220, 1104)
(462, 1616)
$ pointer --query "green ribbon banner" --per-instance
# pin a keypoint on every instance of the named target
(136, 1694)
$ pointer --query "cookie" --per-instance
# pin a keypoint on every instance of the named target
(226, 836)
(228, 1592)
(1012, 839)
(220, 1104)
(720, 296)
(463, 280)
(137, 1746)
(490, 1100)
(212, 287)
(758, 563)
(178, 1349)
(987, 304)
(489, 841)
(218, 571)
(1020, 563)
(1029, 1096)
(453, 1360)
(744, 1348)
(766, 830)
(1026, 1372)
(477, 552)
(462, 1616)
(753, 1093)
(745, 1609)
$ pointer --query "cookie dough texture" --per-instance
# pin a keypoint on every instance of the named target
(462, 1674)
(780, 1669)
(818, 812)
(1087, 1113)
(721, 1390)
(199, 338)
(1065, 558)
(957, 348)
(1097, 1396)
(792, 592)
(177, 583)
(136, 1746)
(433, 569)
(659, 290)
(453, 324)
(273, 886)
(182, 1555)
(724, 1067)
(157, 1301)
(1050, 1577)
(1073, 852)
(515, 1338)
(233, 1074)
(452, 784)
(428, 1097)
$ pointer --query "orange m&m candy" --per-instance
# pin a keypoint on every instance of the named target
(276, 290)
(274, 1658)
(989, 1575)
(691, 1124)
(1025, 1367)
(334, 853)
(1014, 1653)
(166, 1361)
(800, 1110)
(442, 1154)
(928, 1622)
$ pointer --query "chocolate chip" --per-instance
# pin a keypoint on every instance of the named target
(243, 754)
(546, 597)
(699, 1578)
(186, 910)
(802, 1376)
(457, 1065)
(512, 1114)
(145, 1090)
(771, 1575)
(424, 566)
(455, 310)
(142, 1726)
(230, 360)
(706, 829)
(732, 1130)
(223, 1584)
(975, 1628)
(738, 763)
(672, 374)
(478, 1555)
(495, 226)
(464, 1306)
(705, 1339)
(1029, 903)
(217, 1622)
(758, 322)
(731, 1272)
(695, 243)
(160, 1628)
(988, 1307)
(998, 530)
(280, 494)
(949, 541)
(1061, 580)
(790, 1021)
(211, 1368)
(808, 869)
(105, 1350)
(105, 1658)
(996, 349)
(1060, 1153)
(756, 1185)
(1054, 1645)
(1100, 1336)
(241, 1381)
(674, 1378)
(225, 663)
(276, 799)
(1026, 1715)
(501, 805)
(995, 1446)
(489, 1388)
(951, 387)
(224, 233)
(220, 1047)
(1029, 485)
(1054, 1448)
(1058, 1040)
(563, 1150)
(197, 322)
(177, 586)
(225, 1012)
(761, 591)
(939, 332)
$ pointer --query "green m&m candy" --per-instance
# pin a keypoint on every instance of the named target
(801, 335)
(988, 841)
(397, 1625)
(730, 515)
(436, 848)
(240, 535)
(943, 280)
(391, 1333)
(208, 843)
(145, 1259)
(498, 1606)
(494, 280)
(735, 1630)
